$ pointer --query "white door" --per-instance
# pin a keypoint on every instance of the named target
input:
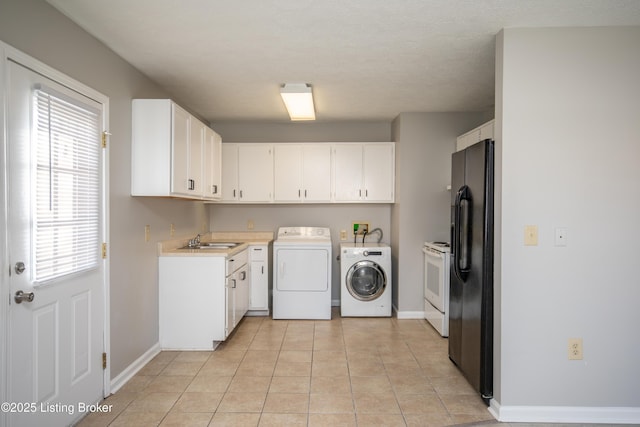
(302, 269)
(317, 172)
(378, 172)
(287, 173)
(180, 183)
(229, 172)
(347, 172)
(55, 231)
(255, 172)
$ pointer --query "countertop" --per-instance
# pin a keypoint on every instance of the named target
(245, 238)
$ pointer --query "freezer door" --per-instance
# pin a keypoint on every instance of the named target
(471, 297)
(455, 283)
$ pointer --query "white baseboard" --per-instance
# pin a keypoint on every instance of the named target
(133, 369)
(409, 314)
(565, 414)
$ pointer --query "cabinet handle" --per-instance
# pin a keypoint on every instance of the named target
(192, 184)
(234, 283)
(214, 189)
(305, 194)
(241, 194)
(263, 269)
(366, 193)
(359, 193)
(243, 275)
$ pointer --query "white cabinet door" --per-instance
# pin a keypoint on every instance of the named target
(259, 278)
(242, 294)
(255, 172)
(364, 172)
(347, 172)
(180, 151)
(230, 311)
(316, 172)
(287, 178)
(379, 172)
(230, 172)
(167, 151)
(211, 188)
(486, 131)
(302, 173)
(478, 134)
(195, 169)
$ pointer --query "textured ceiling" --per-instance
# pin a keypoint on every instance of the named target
(366, 59)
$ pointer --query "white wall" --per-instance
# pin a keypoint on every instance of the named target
(568, 119)
(424, 143)
(37, 29)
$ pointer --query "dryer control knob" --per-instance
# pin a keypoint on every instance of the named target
(365, 253)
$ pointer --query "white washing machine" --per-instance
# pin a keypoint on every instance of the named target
(302, 273)
(365, 288)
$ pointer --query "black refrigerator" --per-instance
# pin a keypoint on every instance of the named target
(471, 284)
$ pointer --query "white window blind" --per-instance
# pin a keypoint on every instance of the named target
(66, 206)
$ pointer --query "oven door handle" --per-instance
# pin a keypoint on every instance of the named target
(461, 238)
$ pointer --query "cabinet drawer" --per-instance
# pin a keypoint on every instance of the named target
(258, 253)
(236, 261)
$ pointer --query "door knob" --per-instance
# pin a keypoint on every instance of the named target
(22, 296)
(19, 267)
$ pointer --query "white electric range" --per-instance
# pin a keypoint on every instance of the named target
(437, 257)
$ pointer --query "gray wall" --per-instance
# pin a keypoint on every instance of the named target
(568, 147)
(38, 30)
(229, 217)
(424, 143)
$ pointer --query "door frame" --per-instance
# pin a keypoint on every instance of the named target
(9, 53)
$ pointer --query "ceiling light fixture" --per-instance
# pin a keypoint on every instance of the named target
(298, 99)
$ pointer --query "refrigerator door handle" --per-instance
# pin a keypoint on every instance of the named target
(462, 234)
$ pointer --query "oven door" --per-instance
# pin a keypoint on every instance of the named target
(435, 285)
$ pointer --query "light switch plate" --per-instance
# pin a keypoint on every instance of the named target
(531, 235)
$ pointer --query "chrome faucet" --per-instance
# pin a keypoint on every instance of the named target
(195, 241)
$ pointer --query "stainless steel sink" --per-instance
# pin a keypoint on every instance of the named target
(212, 245)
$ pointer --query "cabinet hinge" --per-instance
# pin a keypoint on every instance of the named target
(104, 360)
(104, 251)
(105, 135)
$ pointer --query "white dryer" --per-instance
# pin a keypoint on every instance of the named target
(365, 288)
(302, 273)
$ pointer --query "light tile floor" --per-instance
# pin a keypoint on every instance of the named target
(342, 372)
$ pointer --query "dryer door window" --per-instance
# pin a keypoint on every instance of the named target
(366, 280)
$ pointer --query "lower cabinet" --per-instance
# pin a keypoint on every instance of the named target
(201, 299)
(236, 297)
(259, 289)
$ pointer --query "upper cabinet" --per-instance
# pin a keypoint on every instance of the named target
(478, 134)
(302, 173)
(172, 152)
(364, 172)
(340, 172)
(212, 173)
(247, 173)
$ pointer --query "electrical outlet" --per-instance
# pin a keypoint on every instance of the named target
(250, 224)
(147, 233)
(172, 230)
(343, 234)
(575, 348)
